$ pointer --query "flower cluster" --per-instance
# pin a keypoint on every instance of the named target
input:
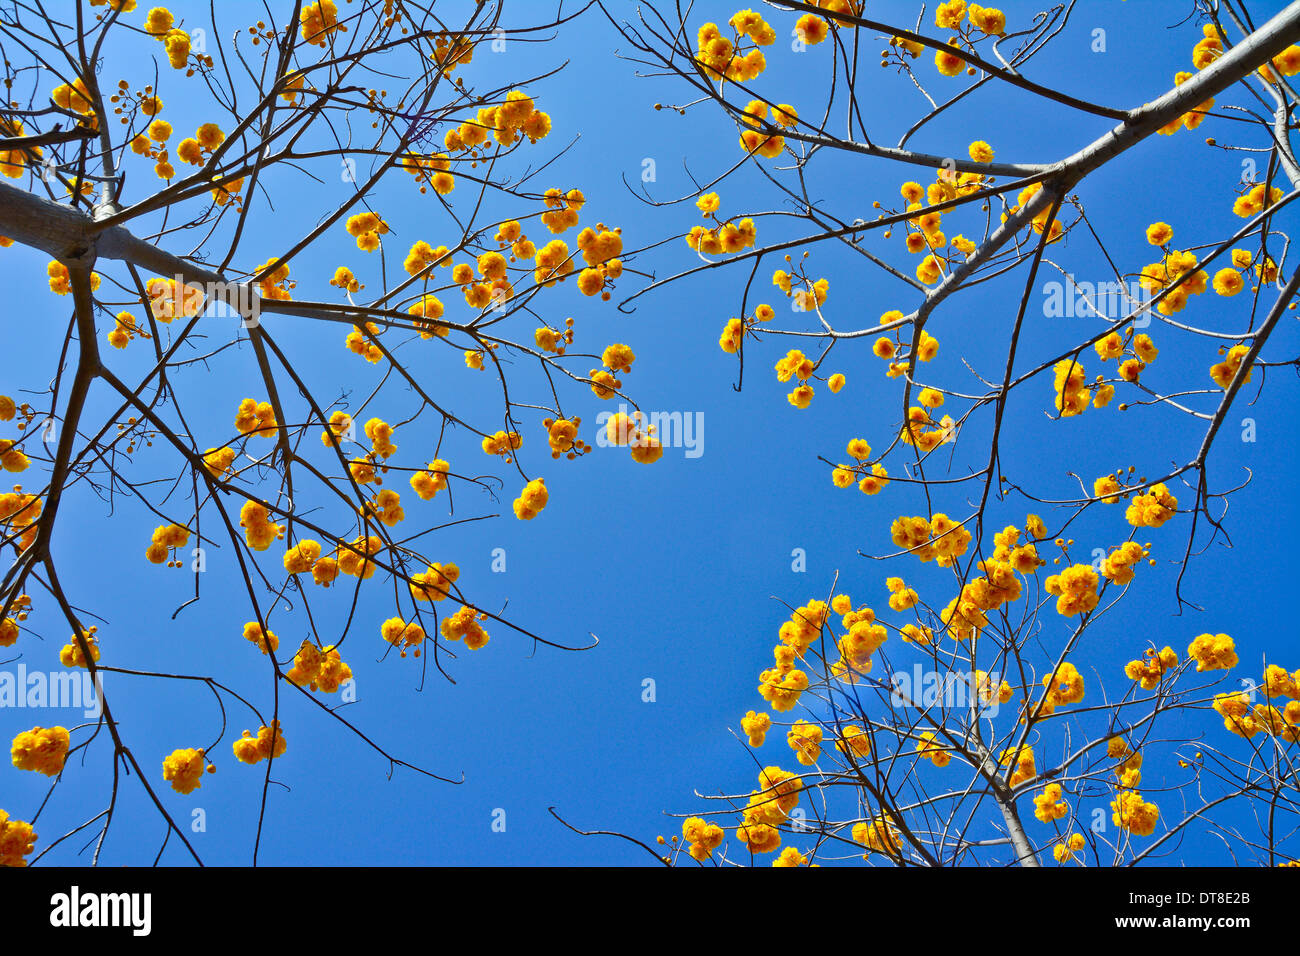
(259, 530)
(264, 640)
(1025, 768)
(726, 236)
(1224, 372)
(464, 625)
(1117, 567)
(1150, 670)
(302, 557)
(1176, 276)
(720, 57)
(623, 429)
(255, 418)
(1064, 851)
(434, 583)
(1135, 353)
(879, 835)
(928, 746)
(169, 299)
(531, 500)
(502, 443)
(871, 479)
(319, 668)
(72, 655)
(320, 20)
(1075, 589)
(702, 837)
(1134, 814)
(183, 769)
(756, 725)
(428, 482)
(517, 115)
(805, 740)
(402, 635)
(1153, 508)
(1063, 686)
(1213, 652)
(166, 539)
(1049, 806)
(17, 840)
(366, 228)
(940, 539)
(268, 744)
(41, 750)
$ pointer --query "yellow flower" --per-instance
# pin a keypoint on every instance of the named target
(1213, 652)
(42, 750)
(981, 152)
(183, 769)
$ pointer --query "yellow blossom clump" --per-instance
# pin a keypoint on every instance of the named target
(782, 689)
(878, 836)
(71, 654)
(318, 668)
(1075, 589)
(1235, 709)
(1153, 508)
(981, 152)
(562, 437)
(1224, 372)
(1072, 395)
(1049, 806)
(1064, 851)
(502, 443)
(531, 500)
(255, 418)
(1255, 200)
(265, 640)
(60, 283)
(928, 746)
(428, 482)
(1063, 686)
(268, 744)
(366, 228)
(701, 837)
(790, 857)
(169, 299)
(259, 530)
(183, 769)
(12, 458)
(1134, 814)
(1118, 565)
(402, 635)
(759, 837)
(17, 840)
(756, 725)
(1150, 670)
(1025, 767)
(41, 750)
(320, 21)
(854, 742)
(434, 583)
(1213, 652)
(302, 557)
(464, 625)
(166, 538)
(805, 740)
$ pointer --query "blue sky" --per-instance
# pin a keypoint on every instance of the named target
(680, 568)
